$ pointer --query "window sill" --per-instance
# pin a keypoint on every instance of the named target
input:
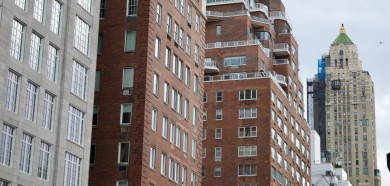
(123, 164)
(125, 125)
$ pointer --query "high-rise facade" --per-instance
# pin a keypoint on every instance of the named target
(350, 113)
(254, 131)
(47, 70)
(148, 101)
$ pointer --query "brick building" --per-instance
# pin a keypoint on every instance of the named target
(254, 131)
(148, 100)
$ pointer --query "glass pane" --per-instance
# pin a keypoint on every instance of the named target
(130, 40)
(128, 77)
(97, 80)
(100, 44)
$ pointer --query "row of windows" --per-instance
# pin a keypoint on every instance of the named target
(250, 94)
(283, 162)
(243, 151)
(284, 181)
(243, 132)
(243, 170)
(243, 113)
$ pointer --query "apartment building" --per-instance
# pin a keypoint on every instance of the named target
(254, 131)
(47, 70)
(350, 113)
(147, 123)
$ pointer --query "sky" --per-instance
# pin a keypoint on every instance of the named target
(316, 24)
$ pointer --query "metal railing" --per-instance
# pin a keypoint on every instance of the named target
(281, 46)
(259, 19)
(281, 62)
(226, 14)
(210, 63)
(226, 1)
(261, 7)
(280, 15)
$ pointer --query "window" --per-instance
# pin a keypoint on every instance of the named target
(174, 64)
(128, 78)
(180, 70)
(132, 7)
(82, 35)
(39, 7)
(157, 48)
(86, 4)
(218, 154)
(169, 25)
(247, 170)
(158, 18)
(204, 97)
(204, 115)
(165, 127)
(22, 4)
(365, 171)
(177, 172)
(124, 183)
(185, 142)
(247, 132)
(218, 30)
(173, 102)
(234, 61)
(7, 143)
(92, 155)
(182, 7)
(187, 76)
(172, 133)
(79, 80)
(102, 9)
(203, 152)
(130, 41)
(170, 168)
(176, 32)
(181, 39)
(12, 91)
(56, 12)
(155, 84)
(25, 153)
(217, 171)
(247, 113)
(248, 94)
(194, 117)
(196, 54)
(197, 22)
(179, 103)
(178, 136)
(163, 163)
(72, 170)
(154, 119)
(35, 52)
(246, 151)
(193, 177)
(124, 151)
(52, 60)
(186, 109)
(126, 113)
(31, 101)
(76, 125)
(218, 133)
(152, 160)
(17, 40)
(188, 46)
(189, 12)
(184, 175)
(218, 114)
(193, 155)
(48, 111)
(166, 92)
(44, 161)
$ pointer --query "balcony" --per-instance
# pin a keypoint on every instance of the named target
(259, 7)
(225, 14)
(281, 62)
(210, 66)
(281, 49)
(281, 16)
(238, 44)
(260, 20)
(282, 80)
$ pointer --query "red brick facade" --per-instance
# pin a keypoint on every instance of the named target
(273, 77)
(109, 133)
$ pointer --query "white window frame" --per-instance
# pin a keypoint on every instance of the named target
(165, 127)
(244, 132)
(244, 167)
(82, 36)
(7, 145)
(157, 47)
(122, 112)
(27, 149)
(186, 109)
(12, 95)
(170, 168)
(244, 150)
(242, 113)
(56, 13)
(72, 169)
(154, 120)
(152, 157)
(185, 142)
(187, 74)
(158, 14)
(166, 92)
(196, 82)
(79, 80)
(178, 137)
(251, 97)
(193, 154)
(217, 133)
(31, 101)
(126, 143)
(52, 63)
(218, 154)
(44, 161)
(17, 39)
(163, 164)
(76, 125)
(39, 10)
(35, 52)
(132, 7)
(48, 111)
(218, 114)
(155, 84)
(197, 22)
(188, 45)
(86, 4)
(172, 133)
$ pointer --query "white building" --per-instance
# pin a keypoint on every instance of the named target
(315, 147)
(325, 174)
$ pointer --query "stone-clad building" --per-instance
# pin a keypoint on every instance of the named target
(47, 70)
(254, 131)
(147, 116)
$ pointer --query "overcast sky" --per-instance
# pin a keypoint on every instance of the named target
(316, 24)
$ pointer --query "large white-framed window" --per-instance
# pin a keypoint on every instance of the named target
(154, 119)
(26, 153)
(179, 103)
(123, 152)
(217, 171)
(219, 96)
(246, 151)
(193, 154)
(82, 35)
(174, 99)
(72, 170)
(247, 170)
(17, 39)
(52, 61)
(194, 117)
(44, 161)
(79, 80)
(218, 154)
(175, 62)
(126, 113)
(196, 54)
(130, 40)
(186, 109)
(172, 133)
(185, 142)
(218, 133)
(189, 13)
(48, 111)
(247, 113)
(13, 84)
(7, 145)
(168, 58)
(56, 11)
(196, 82)
(128, 78)
(203, 152)
(158, 14)
(180, 69)
(181, 38)
(166, 93)
(247, 132)
(152, 156)
(250, 94)
(76, 125)
(170, 168)
(165, 127)
(178, 137)
(31, 101)
(163, 164)
(157, 46)
(86, 4)
(182, 7)
(155, 84)
(197, 22)
(188, 45)
(187, 74)
(218, 114)
(39, 10)
(193, 178)
(21, 3)
(204, 115)
(169, 25)
(184, 175)
(176, 32)
(132, 7)
(235, 61)
(35, 51)
(177, 172)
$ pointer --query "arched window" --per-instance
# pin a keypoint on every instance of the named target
(341, 52)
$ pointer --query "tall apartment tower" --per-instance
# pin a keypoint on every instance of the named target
(47, 70)
(148, 101)
(350, 113)
(254, 131)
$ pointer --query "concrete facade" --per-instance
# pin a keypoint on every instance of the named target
(315, 147)
(22, 121)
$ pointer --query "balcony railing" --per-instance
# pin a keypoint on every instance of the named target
(236, 44)
(210, 66)
(226, 14)
(260, 7)
(281, 49)
(226, 1)
(259, 19)
(281, 62)
(280, 15)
